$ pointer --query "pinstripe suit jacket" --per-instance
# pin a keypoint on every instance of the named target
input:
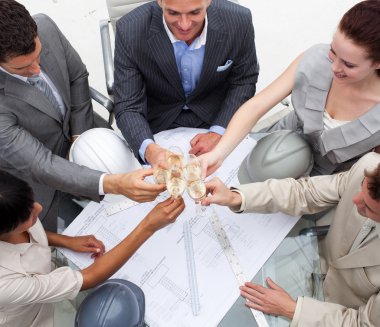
(149, 95)
(33, 140)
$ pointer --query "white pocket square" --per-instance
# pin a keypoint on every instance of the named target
(228, 63)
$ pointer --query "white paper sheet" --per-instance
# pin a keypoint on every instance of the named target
(159, 266)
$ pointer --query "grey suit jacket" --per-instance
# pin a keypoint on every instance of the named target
(352, 279)
(33, 140)
(334, 149)
(149, 95)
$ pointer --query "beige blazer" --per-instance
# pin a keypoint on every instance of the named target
(352, 281)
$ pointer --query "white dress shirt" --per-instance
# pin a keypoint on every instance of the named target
(28, 285)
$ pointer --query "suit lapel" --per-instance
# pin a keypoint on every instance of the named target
(366, 256)
(348, 229)
(29, 94)
(213, 50)
(58, 76)
(162, 49)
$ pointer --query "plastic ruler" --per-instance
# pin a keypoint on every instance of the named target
(193, 283)
(233, 261)
(119, 206)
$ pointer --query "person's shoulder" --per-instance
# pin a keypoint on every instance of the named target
(46, 27)
(368, 161)
(229, 7)
(230, 10)
(43, 21)
(138, 17)
(315, 62)
(230, 18)
(318, 49)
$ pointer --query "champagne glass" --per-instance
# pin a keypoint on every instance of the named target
(160, 172)
(197, 191)
(175, 183)
(196, 188)
(174, 158)
(192, 168)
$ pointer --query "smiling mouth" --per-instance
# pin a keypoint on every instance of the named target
(340, 75)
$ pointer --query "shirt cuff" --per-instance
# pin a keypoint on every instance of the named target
(143, 147)
(101, 184)
(297, 312)
(237, 209)
(217, 129)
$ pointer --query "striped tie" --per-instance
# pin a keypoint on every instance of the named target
(44, 87)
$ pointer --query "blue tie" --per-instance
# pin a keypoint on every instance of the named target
(44, 87)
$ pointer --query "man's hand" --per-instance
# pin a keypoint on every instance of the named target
(220, 194)
(133, 186)
(154, 154)
(273, 300)
(87, 243)
(163, 214)
(205, 142)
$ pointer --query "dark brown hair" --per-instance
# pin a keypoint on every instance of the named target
(18, 30)
(373, 182)
(361, 24)
(16, 201)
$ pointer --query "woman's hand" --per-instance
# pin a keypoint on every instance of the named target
(164, 213)
(210, 162)
(87, 243)
(273, 300)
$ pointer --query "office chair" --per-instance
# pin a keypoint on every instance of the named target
(106, 103)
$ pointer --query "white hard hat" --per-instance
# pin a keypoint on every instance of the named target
(104, 150)
(280, 154)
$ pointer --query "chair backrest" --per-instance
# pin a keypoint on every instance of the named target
(118, 8)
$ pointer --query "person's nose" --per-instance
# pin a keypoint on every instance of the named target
(336, 65)
(35, 69)
(357, 200)
(185, 22)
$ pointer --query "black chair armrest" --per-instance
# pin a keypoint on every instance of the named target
(315, 231)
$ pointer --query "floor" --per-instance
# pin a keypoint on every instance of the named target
(283, 29)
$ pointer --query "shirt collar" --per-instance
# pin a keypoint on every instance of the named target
(197, 43)
(23, 78)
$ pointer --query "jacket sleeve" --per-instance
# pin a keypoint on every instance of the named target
(294, 197)
(62, 283)
(130, 96)
(313, 313)
(20, 150)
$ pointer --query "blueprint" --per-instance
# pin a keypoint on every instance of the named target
(159, 266)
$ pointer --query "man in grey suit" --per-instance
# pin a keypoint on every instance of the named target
(182, 63)
(350, 253)
(38, 125)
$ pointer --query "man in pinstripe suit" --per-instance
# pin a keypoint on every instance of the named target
(180, 63)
